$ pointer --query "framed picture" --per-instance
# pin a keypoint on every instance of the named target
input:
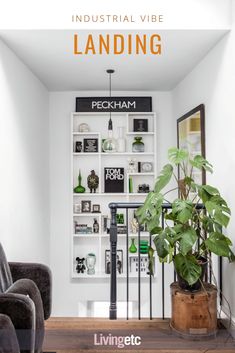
(140, 125)
(145, 167)
(85, 206)
(90, 145)
(191, 136)
(95, 208)
(119, 261)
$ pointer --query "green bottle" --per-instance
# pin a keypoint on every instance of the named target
(79, 189)
(138, 145)
(132, 248)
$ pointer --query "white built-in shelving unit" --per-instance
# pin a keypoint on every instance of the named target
(82, 244)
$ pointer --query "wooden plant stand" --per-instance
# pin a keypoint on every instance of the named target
(194, 314)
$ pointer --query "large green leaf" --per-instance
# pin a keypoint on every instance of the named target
(201, 163)
(182, 209)
(164, 178)
(187, 267)
(161, 244)
(187, 241)
(176, 155)
(151, 208)
(220, 212)
(218, 244)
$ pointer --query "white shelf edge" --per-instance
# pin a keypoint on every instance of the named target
(86, 133)
(140, 174)
(87, 214)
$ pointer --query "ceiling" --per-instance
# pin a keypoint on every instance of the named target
(49, 54)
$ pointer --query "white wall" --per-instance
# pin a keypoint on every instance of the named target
(67, 292)
(212, 82)
(24, 161)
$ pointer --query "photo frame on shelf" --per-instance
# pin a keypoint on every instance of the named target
(95, 208)
(85, 206)
(90, 145)
(119, 261)
(191, 135)
(140, 125)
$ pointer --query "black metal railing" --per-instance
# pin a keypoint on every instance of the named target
(113, 250)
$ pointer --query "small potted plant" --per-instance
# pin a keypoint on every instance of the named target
(193, 226)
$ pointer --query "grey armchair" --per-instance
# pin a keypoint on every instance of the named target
(25, 297)
(8, 339)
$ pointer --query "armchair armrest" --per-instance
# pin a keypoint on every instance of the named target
(8, 339)
(21, 310)
(41, 275)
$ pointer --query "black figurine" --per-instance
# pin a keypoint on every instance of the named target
(92, 181)
(80, 268)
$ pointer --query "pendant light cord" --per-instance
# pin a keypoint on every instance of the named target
(110, 115)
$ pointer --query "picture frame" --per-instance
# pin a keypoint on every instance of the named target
(145, 167)
(119, 261)
(140, 125)
(90, 145)
(85, 206)
(191, 136)
(95, 208)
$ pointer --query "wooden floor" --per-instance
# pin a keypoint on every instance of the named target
(76, 335)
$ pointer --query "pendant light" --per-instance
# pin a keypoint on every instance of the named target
(110, 144)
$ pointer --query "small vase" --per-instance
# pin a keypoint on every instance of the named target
(132, 248)
(79, 189)
(90, 263)
(138, 145)
(121, 142)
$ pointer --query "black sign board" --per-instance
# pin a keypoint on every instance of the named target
(114, 104)
(113, 179)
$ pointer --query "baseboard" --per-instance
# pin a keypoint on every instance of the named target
(228, 322)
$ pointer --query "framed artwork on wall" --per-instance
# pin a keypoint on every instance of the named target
(191, 136)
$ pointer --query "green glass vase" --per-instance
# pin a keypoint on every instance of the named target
(132, 248)
(79, 189)
(138, 145)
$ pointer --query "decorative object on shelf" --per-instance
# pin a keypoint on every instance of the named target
(134, 265)
(104, 221)
(90, 145)
(86, 206)
(120, 218)
(130, 185)
(132, 165)
(95, 208)
(96, 226)
(110, 144)
(134, 225)
(83, 127)
(119, 261)
(143, 188)
(79, 189)
(78, 147)
(90, 263)
(77, 208)
(82, 229)
(144, 246)
(132, 248)
(140, 125)
(138, 145)
(80, 267)
(121, 229)
(93, 181)
(102, 143)
(145, 167)
(113, 179)
(121, 142)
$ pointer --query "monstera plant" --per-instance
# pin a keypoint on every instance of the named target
(194, 222)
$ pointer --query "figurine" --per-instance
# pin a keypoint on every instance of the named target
(134, 225)
(80, 268)
(132, 165)
(92, 181)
